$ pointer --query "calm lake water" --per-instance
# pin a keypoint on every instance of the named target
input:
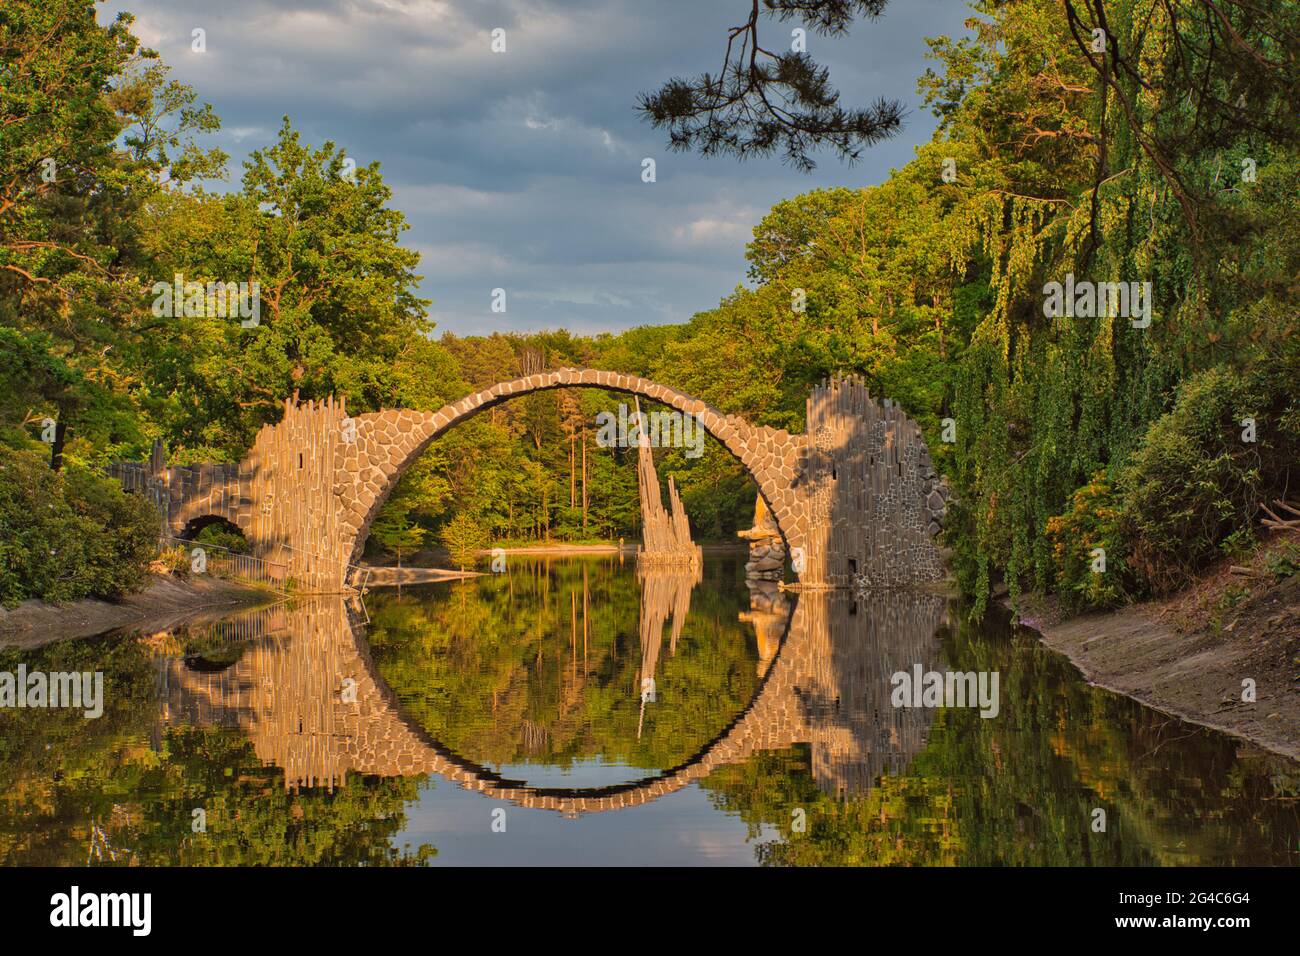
(572, 711)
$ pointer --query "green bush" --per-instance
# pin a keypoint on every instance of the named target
(1194, 483)
(175, 560)
(1093, 521)
(1285, 562)
(71, 534)
(222, 537)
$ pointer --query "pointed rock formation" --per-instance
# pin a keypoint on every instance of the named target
(665, 535)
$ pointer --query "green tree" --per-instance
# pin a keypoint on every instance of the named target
(338, 311)
(394, 531)
(464, 539)
(69, 535)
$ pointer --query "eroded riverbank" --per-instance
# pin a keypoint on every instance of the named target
(164, 603)
(1199, 656)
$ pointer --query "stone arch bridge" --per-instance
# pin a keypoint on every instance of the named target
(856, 495)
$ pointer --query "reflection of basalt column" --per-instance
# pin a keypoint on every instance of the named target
(663, 592)
(829, 686)
(286, 691)
(845, 650)
(766, 549)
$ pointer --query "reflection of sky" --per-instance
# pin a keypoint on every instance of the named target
(582, 774)
(679, 829)
(522, 170)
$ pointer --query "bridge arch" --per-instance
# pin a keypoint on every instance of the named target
(387, 443)
(856, 497)
(197, 524)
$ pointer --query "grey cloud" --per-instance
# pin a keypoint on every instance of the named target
(522, 169)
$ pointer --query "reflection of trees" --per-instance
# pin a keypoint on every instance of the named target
(1019, 789)
(73, 790)
(828, 689)
(877, 785)
(545, 664)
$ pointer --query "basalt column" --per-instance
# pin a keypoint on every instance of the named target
(291, 476)
(665, 536)
(864, 483)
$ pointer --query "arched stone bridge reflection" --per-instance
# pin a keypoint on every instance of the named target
(826, 686)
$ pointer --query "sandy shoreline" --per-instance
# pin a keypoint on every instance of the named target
(384, 576)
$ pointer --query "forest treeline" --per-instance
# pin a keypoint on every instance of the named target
(1156, 144)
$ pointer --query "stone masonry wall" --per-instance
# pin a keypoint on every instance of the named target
(851, 497)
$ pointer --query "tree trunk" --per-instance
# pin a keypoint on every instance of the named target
(938, 324)
(56, 448)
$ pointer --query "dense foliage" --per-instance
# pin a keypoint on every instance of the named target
(70, 534)
(1165, 156)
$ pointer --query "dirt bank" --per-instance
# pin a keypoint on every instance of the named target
(1188, 656)
(165, 602)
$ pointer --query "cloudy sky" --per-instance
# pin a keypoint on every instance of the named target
(522, 169)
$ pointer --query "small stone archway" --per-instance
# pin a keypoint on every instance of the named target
(195, 526)
(853, 497)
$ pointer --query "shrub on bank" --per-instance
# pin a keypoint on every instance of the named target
(70, 534)
(1190, 492)
(1086, 535)
(1195, 483)
(174, 560)
(464, 539)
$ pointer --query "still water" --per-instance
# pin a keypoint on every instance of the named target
(572, 711)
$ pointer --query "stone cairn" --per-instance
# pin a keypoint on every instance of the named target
(766, 549)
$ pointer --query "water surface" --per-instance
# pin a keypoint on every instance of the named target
(573, 711)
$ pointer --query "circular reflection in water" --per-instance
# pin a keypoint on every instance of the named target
(573, 672)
